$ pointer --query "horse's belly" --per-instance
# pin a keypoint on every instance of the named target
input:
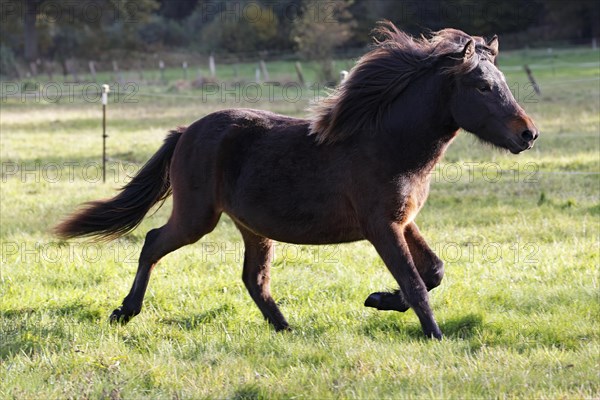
(304, 233)
(303, 218)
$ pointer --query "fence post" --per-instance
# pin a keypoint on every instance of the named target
(161, 66)
(72, 70)
(33, 69)
(263, 69)
(184, 65)
(300, 73)
(212, 66)
(92, 70)
(105, 90)
(551, 55)
(140, 71)
(116, 70)
(532, 79)
(48, 68)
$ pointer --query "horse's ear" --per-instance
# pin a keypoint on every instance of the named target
(469, 50)
(493, 44)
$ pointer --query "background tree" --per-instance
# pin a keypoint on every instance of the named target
(51, 27)
(575, 19)
(322, 27)
(314, 29)
(244, 32)
(177, 9)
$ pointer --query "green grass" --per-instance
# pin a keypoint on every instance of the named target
(519, 304)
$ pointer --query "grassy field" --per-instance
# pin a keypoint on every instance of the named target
(520, 235)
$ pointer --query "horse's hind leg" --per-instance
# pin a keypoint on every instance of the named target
(256, 276)
(428, 264)
(160, 242)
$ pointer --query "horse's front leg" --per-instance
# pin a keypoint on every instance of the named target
(392, 246)
(429, 265)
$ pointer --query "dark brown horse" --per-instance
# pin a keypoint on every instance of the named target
(358, 169)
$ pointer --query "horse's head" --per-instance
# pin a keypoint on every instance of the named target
(483, 104)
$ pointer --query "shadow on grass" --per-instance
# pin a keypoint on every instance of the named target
(29, 334)
(463, 327)
(28, 330)
(77, 311)
(252, 391)
(247, 392)
(192, 322)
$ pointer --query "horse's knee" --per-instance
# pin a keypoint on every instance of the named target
(435, 274)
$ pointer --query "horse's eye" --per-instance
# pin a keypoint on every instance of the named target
(484, 88)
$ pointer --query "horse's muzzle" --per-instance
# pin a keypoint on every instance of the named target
(529, 138)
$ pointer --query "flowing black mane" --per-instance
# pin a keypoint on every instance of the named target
(379, 76)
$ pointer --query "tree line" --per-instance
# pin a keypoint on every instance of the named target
(95, 29)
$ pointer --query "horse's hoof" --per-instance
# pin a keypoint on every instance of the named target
(373, 300)
(283, 328)
(435, 334)
(386, 301)
(119, 316)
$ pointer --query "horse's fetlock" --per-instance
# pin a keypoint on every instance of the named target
(435, 275)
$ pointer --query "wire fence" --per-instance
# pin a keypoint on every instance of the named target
(552, 65)
(93, 90)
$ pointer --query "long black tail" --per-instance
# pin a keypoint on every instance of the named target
(109, 219)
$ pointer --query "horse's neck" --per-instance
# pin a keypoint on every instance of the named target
(419, 126)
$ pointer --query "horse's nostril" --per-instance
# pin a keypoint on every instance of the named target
(527, 135)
